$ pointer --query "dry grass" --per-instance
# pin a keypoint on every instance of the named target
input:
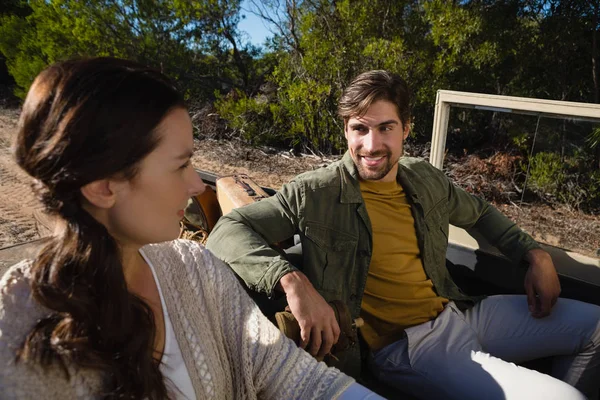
(266, 166)
(493, 179)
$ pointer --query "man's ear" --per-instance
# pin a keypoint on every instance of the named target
(99, 193)
(406, 130)
(346, 129)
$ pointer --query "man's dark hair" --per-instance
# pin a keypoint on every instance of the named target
(372, 86)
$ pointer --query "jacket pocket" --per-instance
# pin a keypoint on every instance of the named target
(333, 258)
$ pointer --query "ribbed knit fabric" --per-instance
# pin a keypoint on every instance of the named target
(230, 349)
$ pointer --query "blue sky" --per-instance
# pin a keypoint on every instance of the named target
(253, 26)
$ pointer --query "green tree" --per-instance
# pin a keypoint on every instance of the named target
(320, 46)
(182, 38)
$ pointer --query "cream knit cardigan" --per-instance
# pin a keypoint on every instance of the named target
(230, 349)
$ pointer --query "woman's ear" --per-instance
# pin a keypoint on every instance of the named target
(99, 193)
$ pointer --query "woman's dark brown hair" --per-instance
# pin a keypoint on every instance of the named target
(83, 121)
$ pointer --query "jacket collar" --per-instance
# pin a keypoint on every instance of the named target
(406, 183)
(350, 188)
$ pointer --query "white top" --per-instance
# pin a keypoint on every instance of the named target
(172, 365)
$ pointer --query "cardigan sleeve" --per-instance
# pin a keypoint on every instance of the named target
(28, 380)
(277, 367)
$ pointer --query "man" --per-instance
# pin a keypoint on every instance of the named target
(374, 232)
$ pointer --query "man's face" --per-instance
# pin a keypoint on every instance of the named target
(375, 141)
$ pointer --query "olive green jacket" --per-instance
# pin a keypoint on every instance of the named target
(326, 209)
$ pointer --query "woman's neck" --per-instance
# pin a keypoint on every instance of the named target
(135, 268)
(140, 282)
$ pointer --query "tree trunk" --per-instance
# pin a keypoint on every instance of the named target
(237, 58)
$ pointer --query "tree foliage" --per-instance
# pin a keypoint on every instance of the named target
(196, 42)
(286, 94)
(512, 47)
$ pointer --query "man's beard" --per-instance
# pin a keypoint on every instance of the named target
(368, 174)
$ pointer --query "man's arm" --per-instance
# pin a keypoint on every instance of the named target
(242, 239)
(541, 281)
(468, 211)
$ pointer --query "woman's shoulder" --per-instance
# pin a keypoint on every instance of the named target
(18, 309)
(184, 251)
(15, 275)
(188, 262)
(19, 312)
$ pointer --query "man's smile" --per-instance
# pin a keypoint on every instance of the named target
(372, 160)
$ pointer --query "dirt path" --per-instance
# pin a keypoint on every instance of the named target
(17, 203)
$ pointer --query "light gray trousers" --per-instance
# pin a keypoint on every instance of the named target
(470, 355)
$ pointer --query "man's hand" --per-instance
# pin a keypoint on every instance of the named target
(316, 318)
(541, 283)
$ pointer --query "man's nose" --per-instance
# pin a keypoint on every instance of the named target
(372, 141)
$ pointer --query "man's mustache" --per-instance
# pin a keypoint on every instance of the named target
(380, 153)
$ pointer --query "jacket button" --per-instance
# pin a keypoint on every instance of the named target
(352, 296)
(363, 253)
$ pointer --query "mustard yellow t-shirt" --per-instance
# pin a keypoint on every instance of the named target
(398, 293)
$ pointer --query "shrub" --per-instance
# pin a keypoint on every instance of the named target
(253, 119)
(571, 183)
(546, 174)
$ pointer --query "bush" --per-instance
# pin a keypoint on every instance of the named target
(546, 174)
(593, 189)
(253, 119)
(581, 191)
(206, 121)
(570, 183)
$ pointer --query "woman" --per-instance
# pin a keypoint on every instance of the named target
(111, 307)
